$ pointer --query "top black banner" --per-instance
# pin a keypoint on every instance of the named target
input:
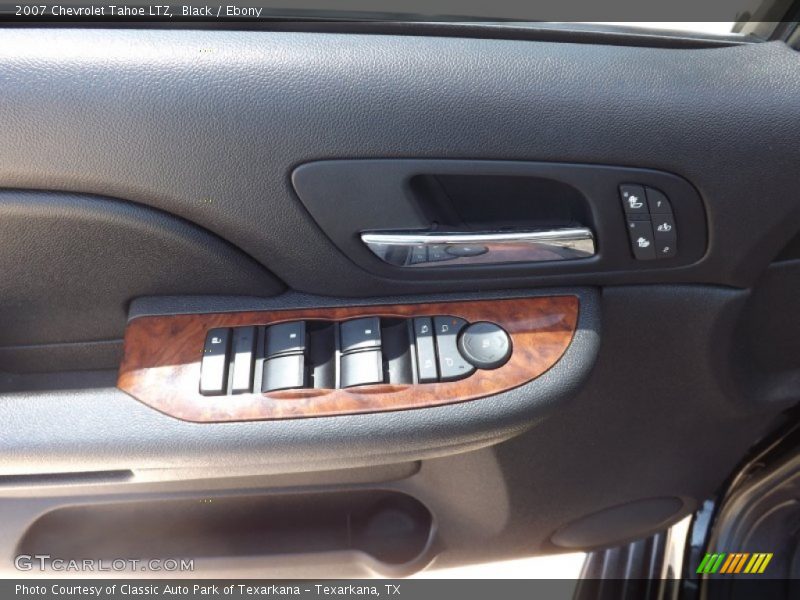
(414, 10)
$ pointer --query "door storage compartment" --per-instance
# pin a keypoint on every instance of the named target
(391, 527)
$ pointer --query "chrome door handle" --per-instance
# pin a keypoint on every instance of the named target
(434, 248)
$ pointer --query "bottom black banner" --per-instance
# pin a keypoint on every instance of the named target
(422, 589)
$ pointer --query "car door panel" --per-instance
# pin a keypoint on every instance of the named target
(158, 172)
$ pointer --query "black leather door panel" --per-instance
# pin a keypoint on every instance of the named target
(72, 263)
(213, 123)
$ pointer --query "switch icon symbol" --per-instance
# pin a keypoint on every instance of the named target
(634, 202)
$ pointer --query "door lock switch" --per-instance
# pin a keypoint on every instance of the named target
(214, 364)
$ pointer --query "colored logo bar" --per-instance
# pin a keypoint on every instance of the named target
(734, 562)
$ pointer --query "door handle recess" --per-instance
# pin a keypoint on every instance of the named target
(440, 249)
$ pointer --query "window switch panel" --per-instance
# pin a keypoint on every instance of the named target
(327, 354)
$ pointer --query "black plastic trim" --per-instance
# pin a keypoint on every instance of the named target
(541, 32)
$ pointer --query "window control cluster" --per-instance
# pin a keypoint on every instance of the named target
(651, 224)
(363, 351)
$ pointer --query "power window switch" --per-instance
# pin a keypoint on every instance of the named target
(360, 334)
(362, 368)
(286, 338)
(214, 364)
(426, 351)
(284, 373)
(642, 240)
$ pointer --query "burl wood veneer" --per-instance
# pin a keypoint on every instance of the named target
(161, 363)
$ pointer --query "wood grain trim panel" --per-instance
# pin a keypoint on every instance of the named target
(161, 362)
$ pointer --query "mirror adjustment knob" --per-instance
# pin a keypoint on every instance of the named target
(485, 345)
